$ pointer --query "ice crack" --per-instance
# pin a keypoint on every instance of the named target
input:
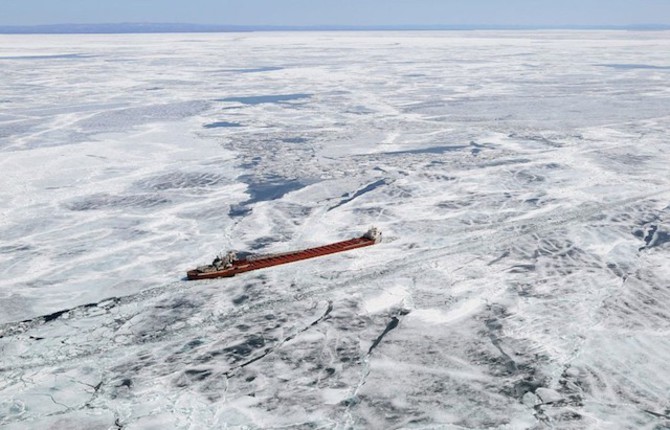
(390, 326)
(269, 350)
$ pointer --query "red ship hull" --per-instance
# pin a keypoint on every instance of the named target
(251, 263)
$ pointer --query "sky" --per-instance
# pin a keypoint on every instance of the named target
(338, 12)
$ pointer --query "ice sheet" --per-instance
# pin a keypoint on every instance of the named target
(521, 181)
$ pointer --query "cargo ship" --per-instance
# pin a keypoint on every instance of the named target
(229, 264)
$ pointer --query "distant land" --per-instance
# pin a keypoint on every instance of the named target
(200, 28)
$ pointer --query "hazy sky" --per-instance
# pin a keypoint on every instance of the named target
(338, 12)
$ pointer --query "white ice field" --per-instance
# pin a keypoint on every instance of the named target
(521, 179)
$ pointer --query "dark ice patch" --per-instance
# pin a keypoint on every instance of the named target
(255, 342)
(476, 148)
(617, 270)
(390, 326)
(255, 100)
(177, 304)
(503, 255)
(295, 140)
(536, 138)
(522, 268)
(528, 177)
(242, 350)
(366, 189)
(15, 128)
(650, 235)
(495, 333)
(182, 180)
(264, 189)
(249, 165)
(272, 188)
(222, 124)
(437, 150)
(259, 69)
(159, 321)
(661, 238)
(628, 159)
(104, 201)
(240, 299)
(253, 70)
(46, 57)
(54, 316)
(655, 237)
(505, 162)
(359, 110)
(524, 386)
(105, 304)
(198, 374)
(190, 345)
(10, 249)
(127, 118)
(262, 242)
(238, 211)
(453, 204)
(634, 66)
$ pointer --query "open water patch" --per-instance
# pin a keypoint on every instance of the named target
(255, 100)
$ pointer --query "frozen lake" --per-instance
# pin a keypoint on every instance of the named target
(521, 179)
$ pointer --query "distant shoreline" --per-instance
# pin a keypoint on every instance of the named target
(148, 28)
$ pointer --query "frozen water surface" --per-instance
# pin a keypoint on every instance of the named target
(222, 124)
(521, 180)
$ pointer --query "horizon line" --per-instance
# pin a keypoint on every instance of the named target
(163, 27)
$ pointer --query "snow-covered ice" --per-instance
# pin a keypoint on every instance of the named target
(521, 180)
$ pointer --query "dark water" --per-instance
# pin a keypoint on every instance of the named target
(255, 100)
